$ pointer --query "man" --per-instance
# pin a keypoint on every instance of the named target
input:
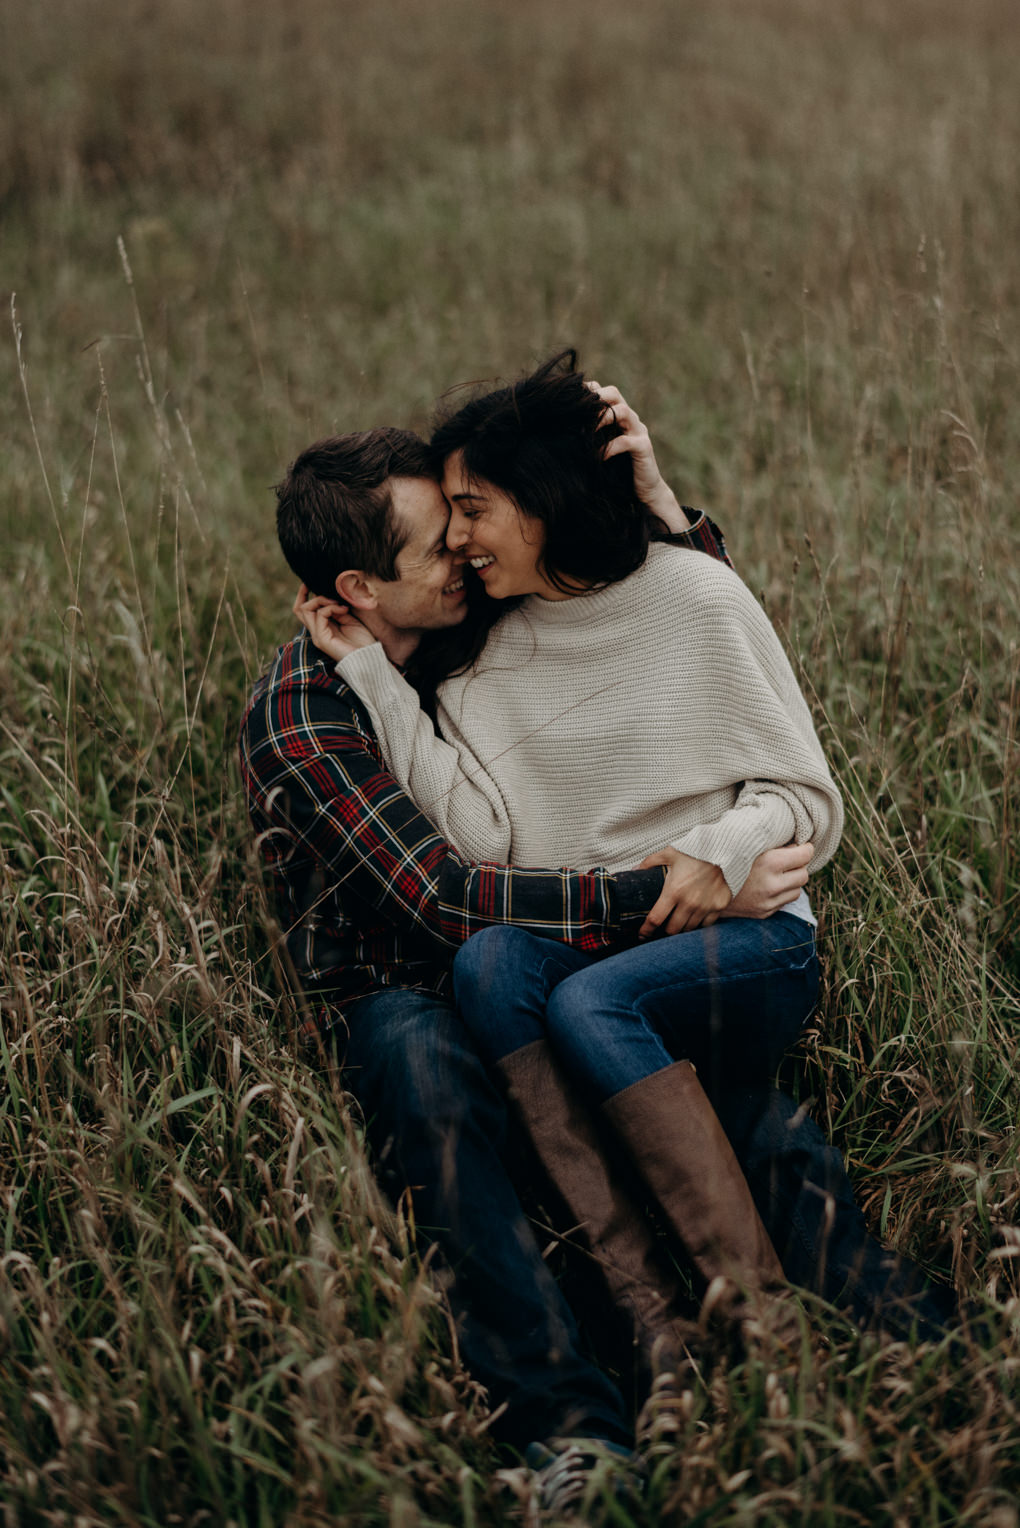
(375, 904)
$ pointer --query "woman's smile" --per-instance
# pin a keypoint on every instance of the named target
(503, 545)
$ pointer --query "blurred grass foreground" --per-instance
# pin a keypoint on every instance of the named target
(789, 230)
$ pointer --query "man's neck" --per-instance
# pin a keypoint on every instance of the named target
(398, 645)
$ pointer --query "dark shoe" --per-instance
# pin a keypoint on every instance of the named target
(612, 1228)
(677, 1144)
(572, 1476)
(887, 1292)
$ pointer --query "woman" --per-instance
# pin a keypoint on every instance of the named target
(628, 694)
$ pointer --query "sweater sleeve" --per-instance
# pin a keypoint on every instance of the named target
(764, 816)
(446, 783)
(757, 717)
(320, 801)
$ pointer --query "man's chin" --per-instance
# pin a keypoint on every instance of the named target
(454, 608)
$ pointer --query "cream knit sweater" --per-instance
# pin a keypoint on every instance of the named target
(596, 730)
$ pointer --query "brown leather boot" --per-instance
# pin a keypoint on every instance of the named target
(674, 1138)
(612, 1227)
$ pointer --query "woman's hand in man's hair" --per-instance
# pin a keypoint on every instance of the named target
(331, 626)
(634, 440)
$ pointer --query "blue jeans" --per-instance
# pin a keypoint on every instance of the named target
(731, 998)
(436, 1124)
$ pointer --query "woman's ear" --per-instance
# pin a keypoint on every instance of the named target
(355, 590)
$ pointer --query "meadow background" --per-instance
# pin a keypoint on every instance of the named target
(788, 229)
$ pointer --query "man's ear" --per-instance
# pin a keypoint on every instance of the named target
(357, 590)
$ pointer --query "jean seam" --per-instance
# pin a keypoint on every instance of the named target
(709, 981)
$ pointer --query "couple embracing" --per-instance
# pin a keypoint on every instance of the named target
(539, 796)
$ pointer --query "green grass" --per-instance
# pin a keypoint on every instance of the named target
(787, 231)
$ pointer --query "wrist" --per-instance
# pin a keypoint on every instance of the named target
(637, 891)
(664, 503)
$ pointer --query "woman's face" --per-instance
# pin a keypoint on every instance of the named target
(501, 543)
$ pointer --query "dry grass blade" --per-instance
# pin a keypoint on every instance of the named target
(326, 215)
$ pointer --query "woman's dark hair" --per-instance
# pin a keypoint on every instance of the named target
(540, 440)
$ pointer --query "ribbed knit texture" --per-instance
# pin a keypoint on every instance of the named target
(596, 730)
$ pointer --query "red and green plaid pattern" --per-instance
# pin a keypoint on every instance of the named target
(368, 892)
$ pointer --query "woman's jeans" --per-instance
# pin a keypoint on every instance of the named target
(731, 998)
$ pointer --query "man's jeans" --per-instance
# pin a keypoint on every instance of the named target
(731, 998)
(437, 1124)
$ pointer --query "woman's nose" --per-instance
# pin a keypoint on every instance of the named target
(457, 531)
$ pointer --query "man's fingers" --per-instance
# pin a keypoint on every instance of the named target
(671, 917)
(686, 919)
(616, 408)
(657, 915)
(650, 925)
(663, 857)
(632, 440)
(621, 414)
(608, 394)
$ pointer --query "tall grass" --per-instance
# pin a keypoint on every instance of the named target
(786, 229)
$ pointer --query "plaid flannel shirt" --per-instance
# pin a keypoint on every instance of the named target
(369, 894)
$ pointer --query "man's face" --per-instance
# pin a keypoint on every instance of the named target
(428, 591)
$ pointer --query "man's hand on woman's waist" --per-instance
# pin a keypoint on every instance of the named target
(695, 894)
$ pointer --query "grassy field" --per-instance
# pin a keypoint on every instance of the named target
(788, 230)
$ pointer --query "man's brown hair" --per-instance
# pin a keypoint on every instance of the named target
(334, 508)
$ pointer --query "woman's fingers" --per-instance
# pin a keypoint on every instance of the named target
(694, 895)
(318, 626)
(791, 873)
(306, 604)
(324, 620)
(776, 878)
(333, 628)
(794, 857)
